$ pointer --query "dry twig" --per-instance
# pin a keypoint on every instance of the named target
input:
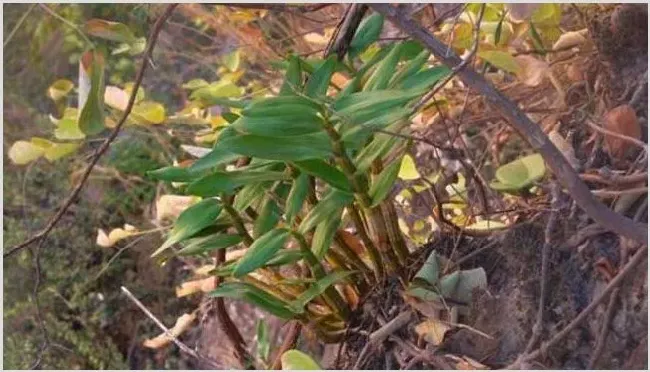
(169, 334)
(104, 147)
(638, 258)
(289, 343)
(527, 128)
(548, 238)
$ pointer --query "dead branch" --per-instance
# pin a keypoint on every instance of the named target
(638, 258)
(343, 35)
(289, 342)
(526, 127)
(168, 333)
(153, 36)
(227, 325)
(548, 238)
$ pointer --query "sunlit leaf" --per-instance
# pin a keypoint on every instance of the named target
(499, 59)
(109, 240)
(487, 225)
(149, 112)
(520, 173)
(432, 331)
(195, 84)
(297, 360)
(68, 129)
(232, 60)
(171, 206)
(182, 324)
(24, 152)
(59, 150)
(408, 171)
(59, 89)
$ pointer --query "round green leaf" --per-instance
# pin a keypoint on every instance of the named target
(520, 173)
(297, 360)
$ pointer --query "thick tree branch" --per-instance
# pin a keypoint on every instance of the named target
(153, 36)
(340, 42)
(526, 127)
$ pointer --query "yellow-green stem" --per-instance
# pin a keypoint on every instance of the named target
(375, 257)
(331, 295)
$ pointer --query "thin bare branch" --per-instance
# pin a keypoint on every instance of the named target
(526, 127)
(186, 349)
(17, 26)
(638, 258)
(104, 147)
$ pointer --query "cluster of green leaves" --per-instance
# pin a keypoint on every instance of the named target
(312, 154)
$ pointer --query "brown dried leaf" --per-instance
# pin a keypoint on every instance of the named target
(432, 330)
(352, 241)
(182, 324)
(171, 206)
(571, 39)
(621, 120)
(193, 286)
(532, 71)
(351, 296)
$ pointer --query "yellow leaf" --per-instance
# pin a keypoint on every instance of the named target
(59, 150)
(407, 170)
(204, 270)
(59, 89)
(42, 142)
(232, 60)
(202, 285)
(149, 112)
(571, 39)
(23, 152)
(182, 324)
(171, 206)
(104, 240)
(316, 39)
(433, 331)
(487, 225)
(499, 59)
(68, 129)
(218, 121)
